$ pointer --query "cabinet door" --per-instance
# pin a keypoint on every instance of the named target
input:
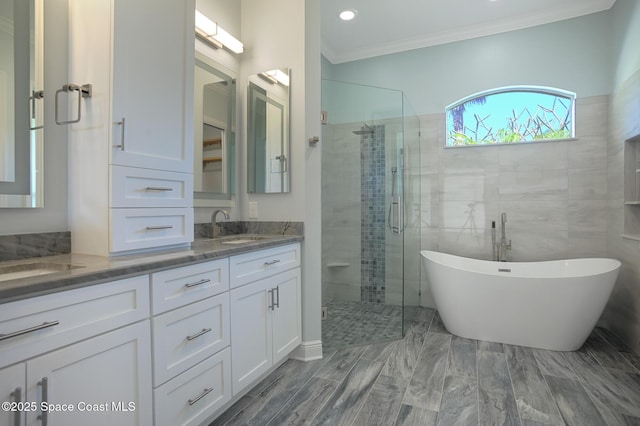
(12, 389)
(250, 333)
(153, 84)
(106, 380)
(287, 320)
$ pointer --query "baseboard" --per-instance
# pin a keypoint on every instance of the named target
(307, 351)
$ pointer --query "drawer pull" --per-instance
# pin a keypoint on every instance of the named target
(273, 262)
(17, 397)
(202, 281)
(198, 334)
(158, 188)
(204, 393)
(45, 399)
(158, 228)
(28, 330)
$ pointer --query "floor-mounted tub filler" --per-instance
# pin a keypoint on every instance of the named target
(550, 305)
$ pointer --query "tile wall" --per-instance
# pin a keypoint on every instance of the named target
(622, 314)
(554, 193)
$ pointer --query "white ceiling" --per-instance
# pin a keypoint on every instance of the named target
(390, 26)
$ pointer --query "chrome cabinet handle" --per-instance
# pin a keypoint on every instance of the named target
(270, 292)
(44, 383)
(158, 228)
(120, 123)
(17, 397)
(158, 188)
(273, 262)
(198, 334)
(277, 304)
(203, 281)
(199, 397)
(28, 330)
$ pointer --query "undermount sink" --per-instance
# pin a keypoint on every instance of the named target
(241, 239)
(27, 270)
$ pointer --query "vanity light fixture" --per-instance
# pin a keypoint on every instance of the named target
(214, 34)
(277, 76)
(347, 15)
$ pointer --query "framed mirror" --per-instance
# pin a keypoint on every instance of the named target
(21, 103)
(268, 132)
(214, 130)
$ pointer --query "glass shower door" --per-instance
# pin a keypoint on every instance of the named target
(363, 214)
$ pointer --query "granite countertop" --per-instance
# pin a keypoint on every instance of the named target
(90, 270)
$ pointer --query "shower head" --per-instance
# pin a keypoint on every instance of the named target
(364, 130)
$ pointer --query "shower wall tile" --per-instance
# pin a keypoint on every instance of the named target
(588, 184)
(592, 116)
(538, 246)
(468, 217)
(534, 157)
(534, 185)
(587, 247)
(587, 217)
(588, 152)
(473, 184)
(542, 215)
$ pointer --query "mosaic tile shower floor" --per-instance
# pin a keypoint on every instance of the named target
(356, 323)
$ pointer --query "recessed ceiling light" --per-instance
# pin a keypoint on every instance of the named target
(347, 15)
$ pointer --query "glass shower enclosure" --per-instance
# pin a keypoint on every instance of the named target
(370, 207)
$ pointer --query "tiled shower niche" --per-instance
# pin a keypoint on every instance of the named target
(632, 188)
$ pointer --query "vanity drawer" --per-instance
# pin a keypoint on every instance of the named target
(186, 336)
(256, 265)
(181, 286)
(134, 187)
(66, 317)
(196, 394)
(134, 229)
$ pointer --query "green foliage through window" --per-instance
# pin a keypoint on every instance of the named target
(517, 114)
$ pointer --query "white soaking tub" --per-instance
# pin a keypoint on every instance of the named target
(550, 305)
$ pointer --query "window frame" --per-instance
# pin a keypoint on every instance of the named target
(511, 89)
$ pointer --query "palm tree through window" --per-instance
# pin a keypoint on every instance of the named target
(516, 114)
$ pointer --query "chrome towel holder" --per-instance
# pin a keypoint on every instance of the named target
(84, 91)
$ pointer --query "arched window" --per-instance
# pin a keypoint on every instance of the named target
(515, 114)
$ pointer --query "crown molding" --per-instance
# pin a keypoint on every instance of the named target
(560, 13)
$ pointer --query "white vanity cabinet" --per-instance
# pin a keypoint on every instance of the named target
(80, 347)
(105, 379)
(265, 314)
(191, 338)
(12, 390)
(131, 153)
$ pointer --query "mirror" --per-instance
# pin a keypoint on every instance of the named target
(214, 130)
(21, 103)
(268, 132)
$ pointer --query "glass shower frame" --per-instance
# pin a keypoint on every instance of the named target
(370, 195)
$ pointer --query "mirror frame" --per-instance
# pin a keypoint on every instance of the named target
(13, 194)
(256, 84)
(212, 199)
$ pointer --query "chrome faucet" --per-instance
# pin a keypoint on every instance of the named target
(215, 227)
(501, 248)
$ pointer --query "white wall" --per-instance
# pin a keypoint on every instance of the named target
(273, 33)
(276, 34)
(53, 217)
(573, 54)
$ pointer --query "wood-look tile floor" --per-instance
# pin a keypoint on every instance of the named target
(434, 378)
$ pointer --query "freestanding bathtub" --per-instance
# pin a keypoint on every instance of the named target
(550, 305)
